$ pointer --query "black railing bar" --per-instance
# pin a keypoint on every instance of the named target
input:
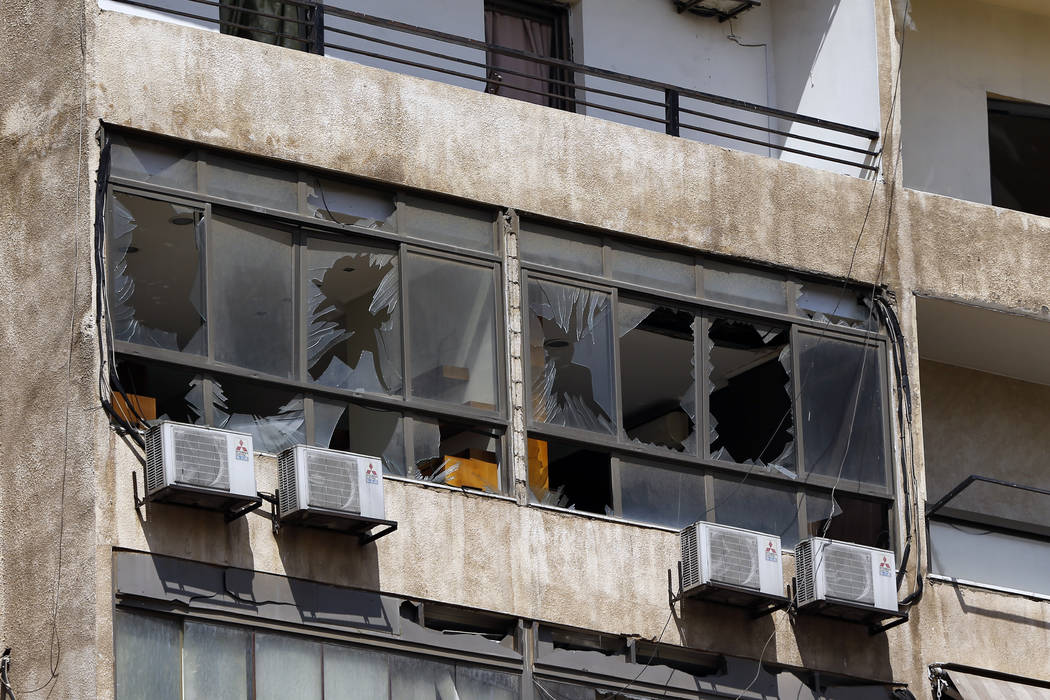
(778, 148)
(488, 67)
(212, 20)
(779, 132)
(487, 80)
(213, 3)
(987, 479)
(600, 72)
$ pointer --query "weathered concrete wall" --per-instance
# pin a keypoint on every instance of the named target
(51, 430)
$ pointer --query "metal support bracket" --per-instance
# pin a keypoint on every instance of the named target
(879, 628)
(769, 608)
(672, 595)
(139, 502)
(273, 500)
(231, 515)
(367, 537)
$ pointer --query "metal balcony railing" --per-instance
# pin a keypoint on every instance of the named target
(324, 29)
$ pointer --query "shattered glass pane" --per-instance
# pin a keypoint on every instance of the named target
(274, 417)
(750, 401)
(159, 163)
(576, 478)
(447, 223)
(658, 397)
(251, 295)
(855, 520)
(570, 356)
(156, 269)
(378, 433)
(545, 245)
(353, 318)
(836, 304)
(254, 183)
(755, 506)
(155, 391)
(331, 425)
(661, 495)
(655, 268)
(344, 203)
(452, 324)
(842, 412)
(456, 455)
(744, 287)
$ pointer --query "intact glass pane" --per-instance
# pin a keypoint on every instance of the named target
(658, 269)
(447, 223)
(344, 203)
(355, 674)
(251, 295)
(353, 318)
(842, 416)
(744, 287)
(274, 417)
(412, 678)
(983, 555)
(287, 667)
(658, 397)
(452, 325)
(754, 506)
(253, 183)
(147, 657)
(164, 163)
(156, 271)
(661, 496)
(216, 661)
(545, 245)
(571, 356)
(482, 684)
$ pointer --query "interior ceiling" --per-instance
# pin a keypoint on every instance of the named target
(1038, 7)
(984, 339)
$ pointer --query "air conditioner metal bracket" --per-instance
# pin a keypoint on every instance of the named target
(879, 628)
(230, 515)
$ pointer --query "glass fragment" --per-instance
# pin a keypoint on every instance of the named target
(274, 417)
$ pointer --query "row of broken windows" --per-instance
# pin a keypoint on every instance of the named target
(661, 387)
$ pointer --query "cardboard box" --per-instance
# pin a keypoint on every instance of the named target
(145, 406)
(539, 463)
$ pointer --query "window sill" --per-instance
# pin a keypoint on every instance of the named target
(445, 487)
(941, 578)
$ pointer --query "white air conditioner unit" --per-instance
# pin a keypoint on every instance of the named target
(330, 488)
(844, 580)
(730, 565)
(203, 467)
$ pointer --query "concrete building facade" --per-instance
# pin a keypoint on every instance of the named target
(580, 325)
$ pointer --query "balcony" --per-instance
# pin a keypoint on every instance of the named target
(735, 84)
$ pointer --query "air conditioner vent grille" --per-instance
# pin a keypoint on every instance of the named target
(847, 574)
(155, 458)
(289, 493)
(333, 481)
(734, 558)
(804, 582)
(200, 458)
(690, 558)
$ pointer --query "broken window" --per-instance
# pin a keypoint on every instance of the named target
(349, 204)
(750, 394)
(842, 409)
(567, 475)
(852, 519)
(361, 430)
(838, 304)
(658, 397)
(662, 495)
(1019, 154)
(155, 391)
(157, 251)
(273, 416)
(754, 505)
(570, 356)
(456, 455)
(452, 317)
(353, 318)
(251, 295)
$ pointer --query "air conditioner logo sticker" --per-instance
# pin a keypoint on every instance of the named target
(371, 475)
(241, 451)
(884, 568)
(771, 552)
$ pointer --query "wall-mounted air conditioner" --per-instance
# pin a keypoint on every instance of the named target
(844, 580)
(329, 488)
(731, 565)
(203, 467)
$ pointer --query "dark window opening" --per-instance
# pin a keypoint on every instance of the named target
(1019, 155)
(456, 454)
(750, 400)
(362, 430)
(269, 21)
(573, 477)
(852, 519)
(659, 397)
(158, 392)
(273, 416)
(534, 27)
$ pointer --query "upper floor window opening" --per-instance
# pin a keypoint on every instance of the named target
(1019, 154)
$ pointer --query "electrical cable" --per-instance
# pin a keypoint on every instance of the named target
(758, 671)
